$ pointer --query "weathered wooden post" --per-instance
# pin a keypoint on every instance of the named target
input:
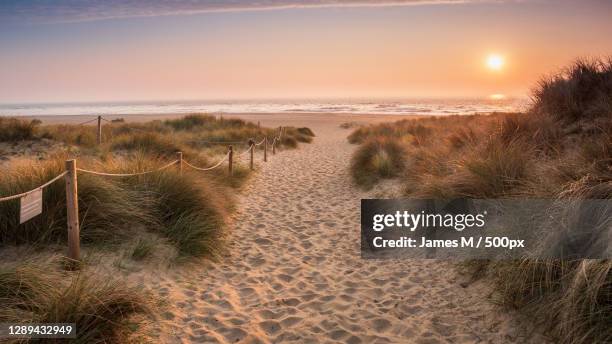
(179, 157)
(265, 149)
(230, 159)
(99, 132)
(72, 211)
(274, 146)
(251, 148)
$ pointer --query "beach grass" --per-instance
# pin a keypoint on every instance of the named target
(189, 208)
(101, 307)
(559, 149)
(13, 129)
(166, 216)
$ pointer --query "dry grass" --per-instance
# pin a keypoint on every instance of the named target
(39, 292)
(162, 138)
(560, 149)
(110, 209)
(141, 216)
(107, 211)
(189, 210)
(144, 214)
(14, 129)
(378, 158)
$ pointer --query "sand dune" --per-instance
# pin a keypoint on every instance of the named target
(293, 272)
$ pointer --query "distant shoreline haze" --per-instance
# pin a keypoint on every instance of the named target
(431, 106)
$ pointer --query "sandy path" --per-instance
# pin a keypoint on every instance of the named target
(293, 270)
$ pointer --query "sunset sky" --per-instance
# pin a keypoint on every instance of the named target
(66, 50)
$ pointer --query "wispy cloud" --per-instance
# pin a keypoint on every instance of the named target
(48, 11)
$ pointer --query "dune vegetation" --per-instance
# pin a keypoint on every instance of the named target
(561, 148)
(182, 214)
(192, 204)
(103, 308)
(13, 129)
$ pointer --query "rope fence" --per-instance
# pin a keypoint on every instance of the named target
(223, 142)
(91, 120)
(8, 198)
(126, 174)
(208, 168)
(246, 151)
(31, 201)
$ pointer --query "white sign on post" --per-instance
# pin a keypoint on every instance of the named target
(31, 205)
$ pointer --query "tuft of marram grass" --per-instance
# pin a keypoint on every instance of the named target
(142, 249)
(496, 172)
(377, 158)
(581, 91)
(190, 208)
(14, 129)
(152, 143)
(38, 292)
(305, 131)
(194, 221)
(208, 122)
(573, 299)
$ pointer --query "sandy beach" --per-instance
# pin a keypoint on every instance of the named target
(292, 270)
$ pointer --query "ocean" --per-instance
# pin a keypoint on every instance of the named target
(386, 107)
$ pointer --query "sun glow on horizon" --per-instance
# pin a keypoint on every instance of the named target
(495, 62)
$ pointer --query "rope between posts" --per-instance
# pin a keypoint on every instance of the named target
(224, 142)
(126, 174)
(208, 168)
(251, 147)
(8, 198)
(246, 151)
(91, 120)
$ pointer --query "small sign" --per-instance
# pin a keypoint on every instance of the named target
(31, 205)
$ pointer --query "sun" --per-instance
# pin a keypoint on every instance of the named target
(495, 62)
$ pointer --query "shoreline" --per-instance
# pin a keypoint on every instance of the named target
(275, 119)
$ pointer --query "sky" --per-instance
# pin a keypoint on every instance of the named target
(151, 50)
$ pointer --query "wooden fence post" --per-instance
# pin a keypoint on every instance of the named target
(179, 157)
(252, 148)
(265, 149)
(230, 159)
(274, 146)
(72, 211)
(99, 132)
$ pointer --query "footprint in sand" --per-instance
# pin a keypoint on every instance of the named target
(292, 271)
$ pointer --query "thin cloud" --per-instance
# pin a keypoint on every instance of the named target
(44, 11)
